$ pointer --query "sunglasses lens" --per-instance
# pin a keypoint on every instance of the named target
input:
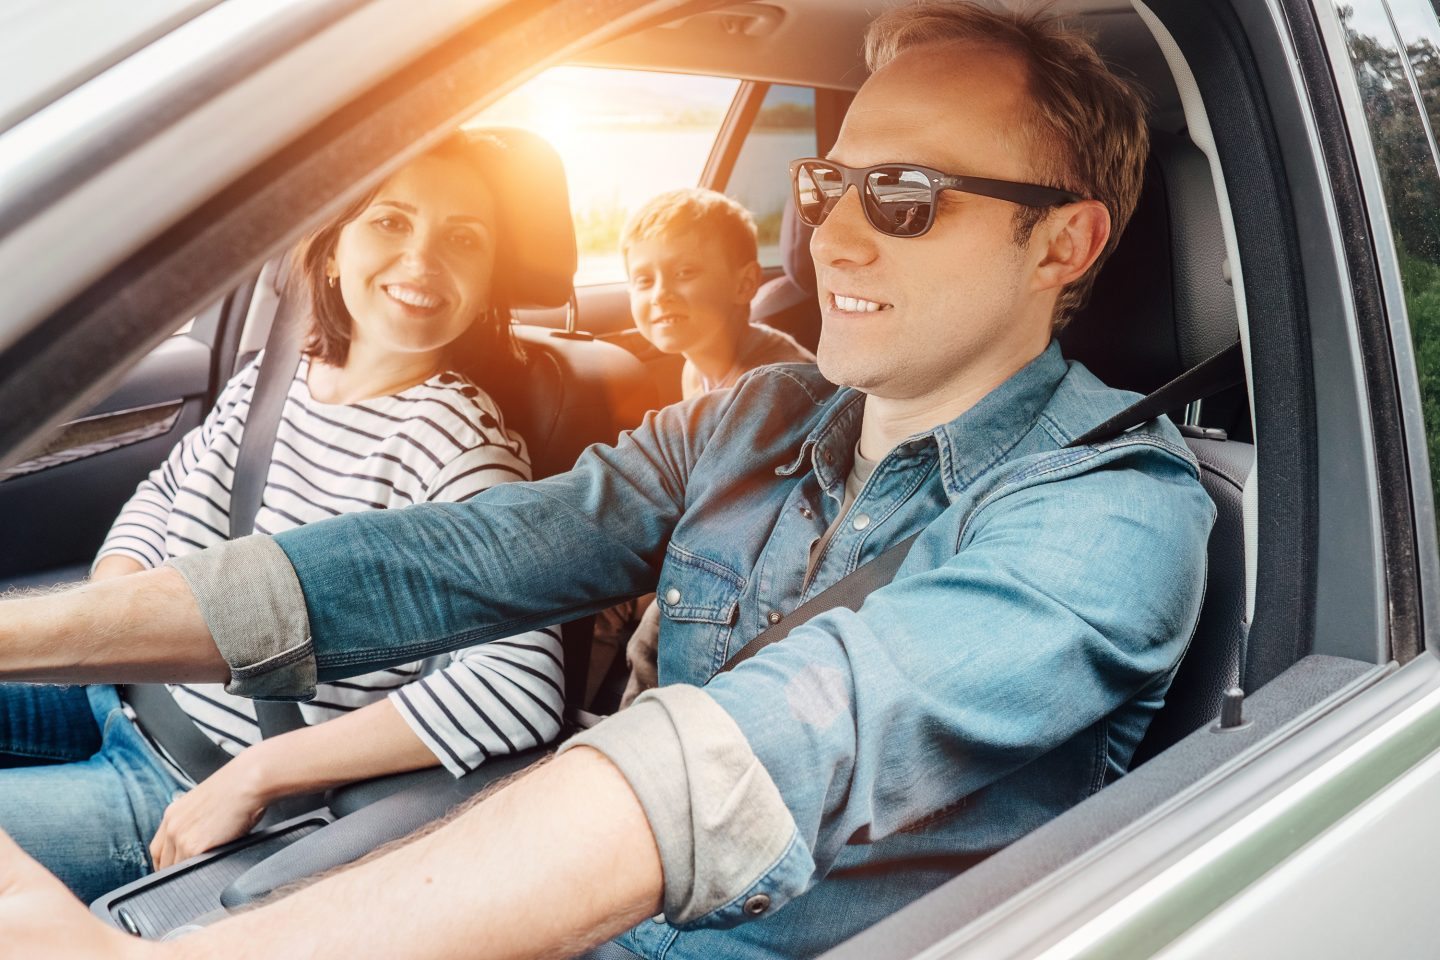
(900, 201)
(817, 189)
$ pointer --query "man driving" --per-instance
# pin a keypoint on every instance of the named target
(774, 809)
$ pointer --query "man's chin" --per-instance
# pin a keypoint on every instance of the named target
(849, 371)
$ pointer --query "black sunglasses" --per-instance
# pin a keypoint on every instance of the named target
(899, 198)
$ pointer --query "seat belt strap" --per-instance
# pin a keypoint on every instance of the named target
(252, 468)
(849, 592)
(154, 706)
(1222, 371)
(262, 421)
(252, 463)
(172, 729)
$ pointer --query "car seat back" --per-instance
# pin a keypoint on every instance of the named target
(788, 302)
(572, 391)
(1161, 305)
(1214, 661)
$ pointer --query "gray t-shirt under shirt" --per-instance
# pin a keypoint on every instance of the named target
(860, 470)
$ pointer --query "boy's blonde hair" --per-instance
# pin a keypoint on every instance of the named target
(1087, 124)
(695, 208)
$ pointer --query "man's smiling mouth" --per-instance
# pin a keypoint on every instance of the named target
(857, 304)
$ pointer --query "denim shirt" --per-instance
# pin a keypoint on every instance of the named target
(1007, 673)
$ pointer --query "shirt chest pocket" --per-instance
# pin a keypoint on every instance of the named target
(699, 600)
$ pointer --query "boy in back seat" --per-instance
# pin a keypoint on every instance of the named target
(692, 259)
(693, 263)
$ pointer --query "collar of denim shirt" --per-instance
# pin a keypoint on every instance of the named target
(968, 445)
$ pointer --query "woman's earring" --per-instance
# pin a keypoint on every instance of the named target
(331, 280)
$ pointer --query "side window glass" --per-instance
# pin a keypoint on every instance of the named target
(1402, 130)
(783, 130)
(624, 136)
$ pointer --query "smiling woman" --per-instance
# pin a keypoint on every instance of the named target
(384, 411)
(407, 274)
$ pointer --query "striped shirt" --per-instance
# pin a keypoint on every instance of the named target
(441, 440)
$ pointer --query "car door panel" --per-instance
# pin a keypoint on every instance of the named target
(59, 502)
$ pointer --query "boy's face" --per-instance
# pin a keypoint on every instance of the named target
(686, 291)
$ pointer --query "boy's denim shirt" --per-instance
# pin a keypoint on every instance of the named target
(1007, 673)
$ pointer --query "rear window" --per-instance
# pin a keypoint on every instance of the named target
(624, 136)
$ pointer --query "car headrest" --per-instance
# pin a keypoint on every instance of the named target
(798, 265)
(536, 260)
(1162, 303)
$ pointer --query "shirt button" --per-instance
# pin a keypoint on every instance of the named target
(757, 904)
(775, 616)
(861, 521)
(672, 596)
(658, 918)
(807, 513)
(828, 457)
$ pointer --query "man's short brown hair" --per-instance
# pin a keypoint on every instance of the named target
(699, 210)
(1088, 124)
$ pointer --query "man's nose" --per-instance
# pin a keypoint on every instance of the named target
(845, 236)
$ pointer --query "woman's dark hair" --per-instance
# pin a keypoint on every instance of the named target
(487, 352)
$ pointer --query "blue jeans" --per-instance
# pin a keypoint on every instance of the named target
(80, 789)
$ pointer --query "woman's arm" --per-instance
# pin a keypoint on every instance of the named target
(115, 565)
(371, 742)
(492, 702)
(136, 540)
(494, 699)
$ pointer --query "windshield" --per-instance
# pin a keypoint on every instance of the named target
(49, 47)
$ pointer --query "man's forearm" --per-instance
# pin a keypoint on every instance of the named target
(559, 860)
(142, 627)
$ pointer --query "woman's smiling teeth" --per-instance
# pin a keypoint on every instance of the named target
(856, 305)
(413, 296)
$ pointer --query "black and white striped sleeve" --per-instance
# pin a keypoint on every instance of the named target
(139, 530)
(489, 453)
(491, 700)
(508, 695)
(477, 469)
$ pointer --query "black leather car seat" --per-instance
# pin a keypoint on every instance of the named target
(1162, 304)
(788, 302)
(573, 390)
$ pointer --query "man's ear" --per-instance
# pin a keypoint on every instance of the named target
(1074, 235)
(747, 282)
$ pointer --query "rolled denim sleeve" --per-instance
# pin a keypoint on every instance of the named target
(728, 845)
(1069, 592)
(253, 605)
(386, 587)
